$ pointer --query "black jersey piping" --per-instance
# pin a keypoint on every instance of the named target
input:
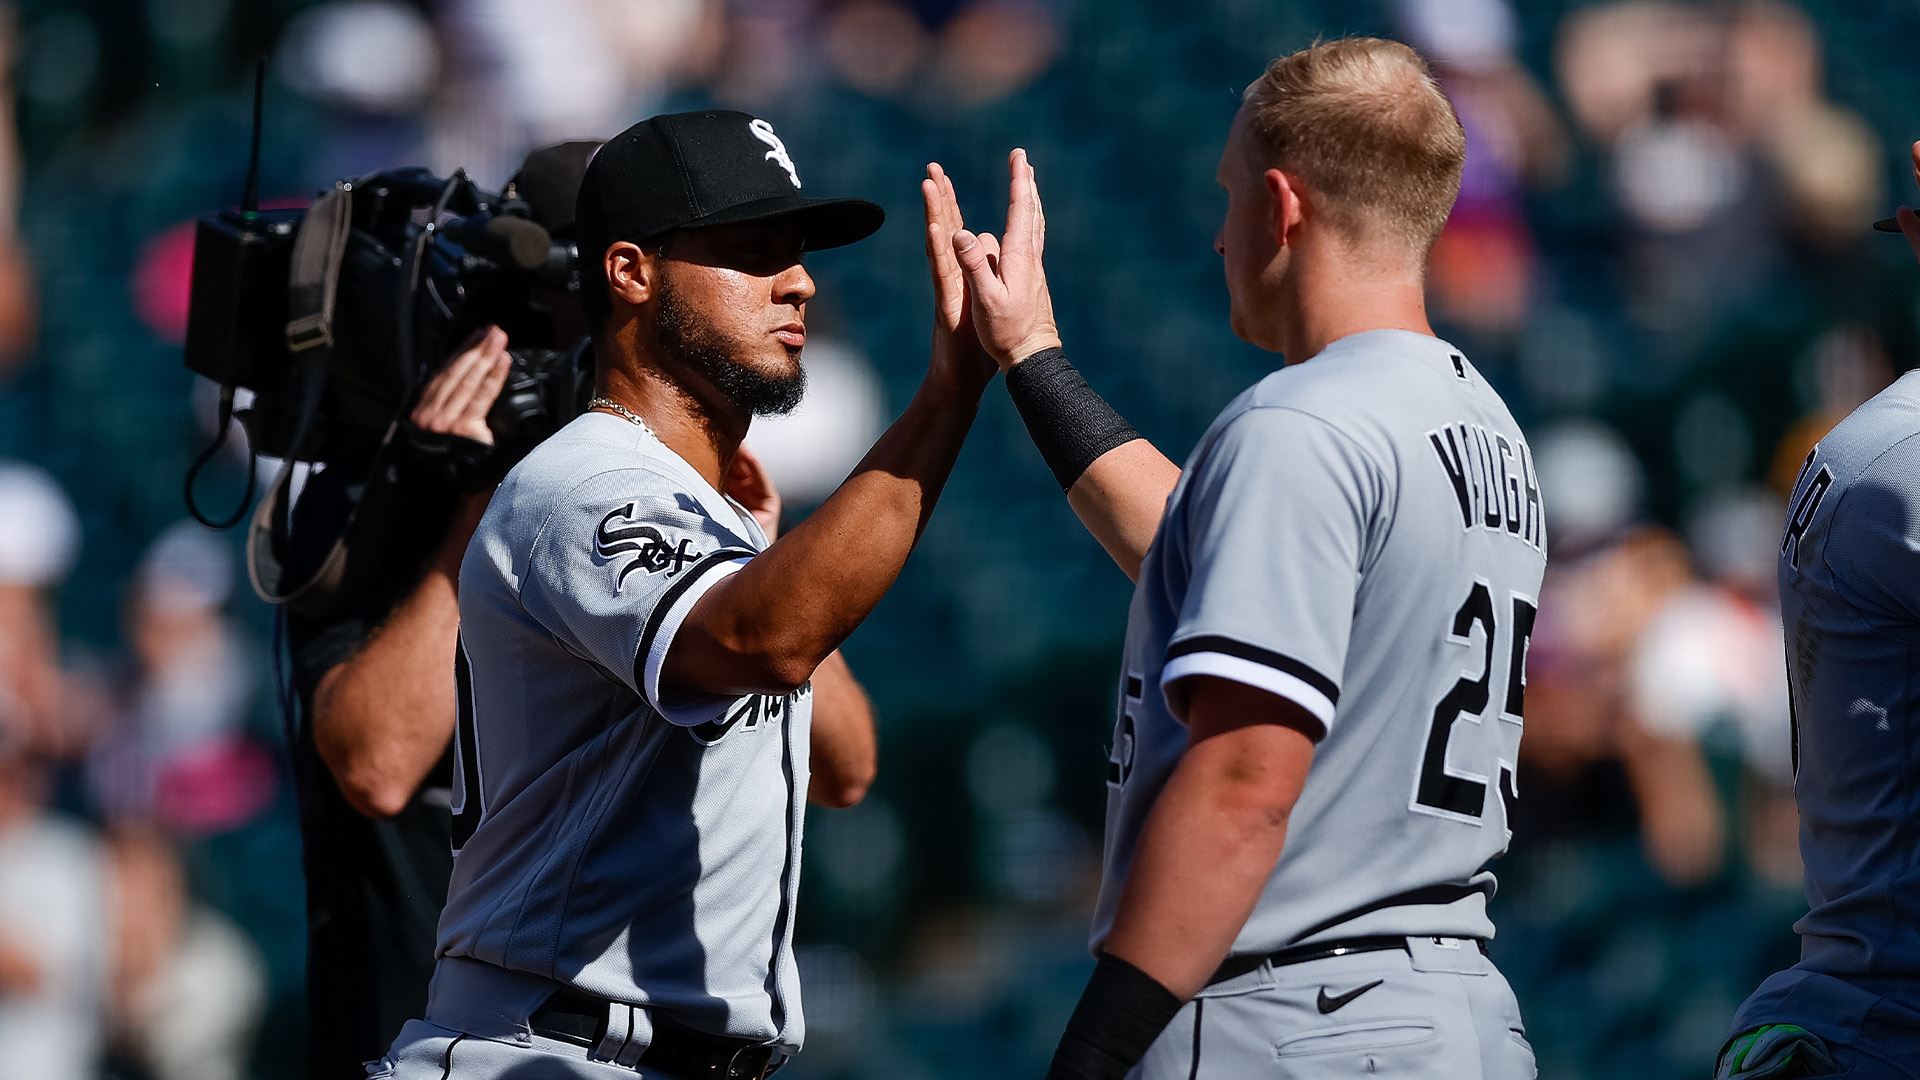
(1430, 894)
(1199, 1004)
(671, 597)
(1286, 665)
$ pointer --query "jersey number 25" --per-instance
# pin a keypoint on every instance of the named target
(1460, 793)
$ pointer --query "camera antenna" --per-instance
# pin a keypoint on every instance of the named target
(250, 195)
(249, 216)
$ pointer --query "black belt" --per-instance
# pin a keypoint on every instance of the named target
(1235, 966)
(581, 1019)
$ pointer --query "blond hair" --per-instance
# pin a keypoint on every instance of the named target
(1364, 124)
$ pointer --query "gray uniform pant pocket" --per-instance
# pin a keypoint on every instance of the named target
(1369, 1016)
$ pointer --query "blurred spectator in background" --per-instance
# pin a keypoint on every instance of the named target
(16, 271)
(1648, 80)
(1593, 488)
(39, 542)
(521, 75)
(187, 985)
(1723, 149)
(1707, 677)
(373, 63)
(179, 754)
(55, 944)
(54, 900)
(947, 54)
(1481, 275)
(1826, 157)
(1847, 365)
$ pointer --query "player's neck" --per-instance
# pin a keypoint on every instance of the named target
(1334, 298)
(704, 429)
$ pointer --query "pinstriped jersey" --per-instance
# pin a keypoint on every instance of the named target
(1363, 535)
(610, 833)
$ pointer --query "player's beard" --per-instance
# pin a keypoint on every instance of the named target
(690, 340)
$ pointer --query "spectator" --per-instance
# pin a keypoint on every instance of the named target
(180, 755)
(53, 894)
(187, 985)
(1484, 263)
(54, 945)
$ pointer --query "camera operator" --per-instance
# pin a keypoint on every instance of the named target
(374, 679)
(375, 684)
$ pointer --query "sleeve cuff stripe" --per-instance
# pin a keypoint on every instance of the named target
(671, 599)
(1214, 643)
(1258, 676)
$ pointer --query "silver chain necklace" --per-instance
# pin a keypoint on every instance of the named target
(615, 407)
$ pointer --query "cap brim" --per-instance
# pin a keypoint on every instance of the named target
(829, 223)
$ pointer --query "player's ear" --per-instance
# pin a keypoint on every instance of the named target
(1288, 198)
(632, 272)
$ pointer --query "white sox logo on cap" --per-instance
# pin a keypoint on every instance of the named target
(764, 132)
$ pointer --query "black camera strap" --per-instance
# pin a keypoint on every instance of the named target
(312, 287)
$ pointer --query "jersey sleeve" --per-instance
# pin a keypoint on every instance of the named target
(614, 571)
(1873, 539)
(1276, 519)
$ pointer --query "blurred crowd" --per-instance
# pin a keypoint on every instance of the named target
(1660, 254)
(115, 774)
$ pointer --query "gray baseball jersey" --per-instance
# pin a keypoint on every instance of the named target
(637, 844)
(1362, 535)
(1850, 603)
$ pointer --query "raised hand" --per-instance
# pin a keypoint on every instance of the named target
(1011, 307)
(957, 350)
(1909, 221)
(749, 484)
(457, 399)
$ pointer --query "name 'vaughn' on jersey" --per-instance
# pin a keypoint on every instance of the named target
(1363, 535)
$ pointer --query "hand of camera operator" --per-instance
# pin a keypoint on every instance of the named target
(383, 718)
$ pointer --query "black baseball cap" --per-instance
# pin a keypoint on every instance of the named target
(704, 168)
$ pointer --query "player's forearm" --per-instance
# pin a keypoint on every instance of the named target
(1214, 833)
(767, 628)
(845, 752)
(1210, 844)
(1121, 498)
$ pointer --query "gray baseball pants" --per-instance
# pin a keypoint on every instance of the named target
(477, 1029)
(1439, 1010)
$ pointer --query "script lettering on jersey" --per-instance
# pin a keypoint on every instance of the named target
(1804, 508)
(1493, 480)
(651, 551)
(749, 714)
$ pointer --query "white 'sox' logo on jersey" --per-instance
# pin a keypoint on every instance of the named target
(764, 132)
(650, 549)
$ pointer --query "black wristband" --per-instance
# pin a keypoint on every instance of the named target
(1070, 423)
(1121, 1012)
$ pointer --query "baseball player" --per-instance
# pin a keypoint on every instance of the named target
(1320, 702)
(1850, 601)
(646, 675)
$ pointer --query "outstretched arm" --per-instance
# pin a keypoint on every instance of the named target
(766, 628)
(1116, 481)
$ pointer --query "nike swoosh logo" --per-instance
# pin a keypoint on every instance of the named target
(1338, 1001)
